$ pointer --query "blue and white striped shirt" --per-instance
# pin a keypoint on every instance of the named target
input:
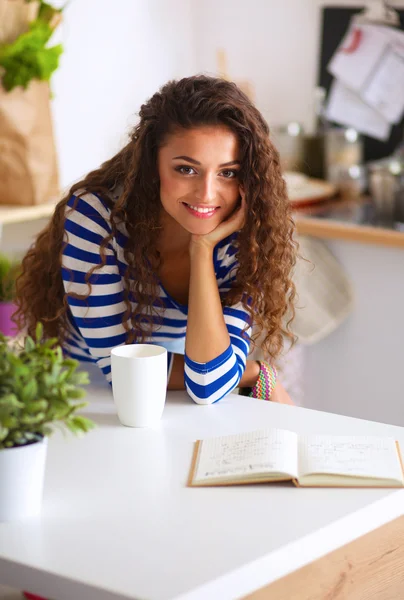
(96, 323)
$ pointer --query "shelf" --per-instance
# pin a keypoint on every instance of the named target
(328, 229)
(19, 214)
(345, 220)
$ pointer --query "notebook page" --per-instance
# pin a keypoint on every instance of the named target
(246, 454)
(356, 456)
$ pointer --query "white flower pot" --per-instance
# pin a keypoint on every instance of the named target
(22, 471)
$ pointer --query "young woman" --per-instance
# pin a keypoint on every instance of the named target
(183, 239)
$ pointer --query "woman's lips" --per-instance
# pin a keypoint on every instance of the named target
(206, 214)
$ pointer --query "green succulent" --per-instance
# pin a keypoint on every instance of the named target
(38, 388)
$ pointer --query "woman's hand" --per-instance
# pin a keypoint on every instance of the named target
(234, 223)
(280, 395)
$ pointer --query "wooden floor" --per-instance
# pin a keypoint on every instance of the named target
(369, 568)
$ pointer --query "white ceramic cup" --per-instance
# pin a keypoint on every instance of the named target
(139, 383)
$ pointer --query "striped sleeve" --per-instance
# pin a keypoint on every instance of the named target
(97, 320)
(209, 382)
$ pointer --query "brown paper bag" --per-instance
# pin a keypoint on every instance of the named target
(28, 163)
(15, 16)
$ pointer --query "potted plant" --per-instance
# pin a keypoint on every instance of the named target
(9, 271)
(39, 388)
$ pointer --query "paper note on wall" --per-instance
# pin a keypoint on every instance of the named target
(385, 89)
(368, 91)
(358, 54)
(346, 107)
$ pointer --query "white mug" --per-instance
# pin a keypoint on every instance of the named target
(139, 383)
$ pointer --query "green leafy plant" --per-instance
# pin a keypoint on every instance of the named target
(38, 388)
(9, 271)
(28, 57)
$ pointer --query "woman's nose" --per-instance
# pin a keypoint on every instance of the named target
(206, 189)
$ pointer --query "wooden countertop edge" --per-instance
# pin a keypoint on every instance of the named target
(325, 228)
(370, 566)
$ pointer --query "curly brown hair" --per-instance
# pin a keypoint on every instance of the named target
(265, 247)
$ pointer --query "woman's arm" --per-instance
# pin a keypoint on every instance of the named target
(98, 318)
(217, 338)
(280, 395)
(176, 382)
(207, 336)
(248, 379)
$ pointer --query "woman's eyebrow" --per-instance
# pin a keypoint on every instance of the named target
(196, 162)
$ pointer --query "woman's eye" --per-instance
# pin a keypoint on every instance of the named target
(229, 173)
(185, 170)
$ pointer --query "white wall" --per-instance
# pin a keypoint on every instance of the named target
(357, 370)
(269, 42)
(273, 43)
(117, 54)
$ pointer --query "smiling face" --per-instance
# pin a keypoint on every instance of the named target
(199, 183)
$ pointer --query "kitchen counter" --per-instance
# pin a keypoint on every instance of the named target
(336, 219)
(364, 354)
(352, 220)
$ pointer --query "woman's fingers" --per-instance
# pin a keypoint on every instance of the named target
(280, 395)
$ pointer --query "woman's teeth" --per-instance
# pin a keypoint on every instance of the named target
(202, 210)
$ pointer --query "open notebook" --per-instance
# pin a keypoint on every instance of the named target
(271, 455)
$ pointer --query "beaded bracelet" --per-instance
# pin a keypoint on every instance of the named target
(265, 383)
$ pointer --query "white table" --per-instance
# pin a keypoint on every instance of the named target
(119, 522)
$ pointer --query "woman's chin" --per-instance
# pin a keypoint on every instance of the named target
(201, 229)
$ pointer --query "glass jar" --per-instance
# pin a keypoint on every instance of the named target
(344, 158)
(288, 140)
(386, 185)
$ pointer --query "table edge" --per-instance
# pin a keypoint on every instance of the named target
(299, 553)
